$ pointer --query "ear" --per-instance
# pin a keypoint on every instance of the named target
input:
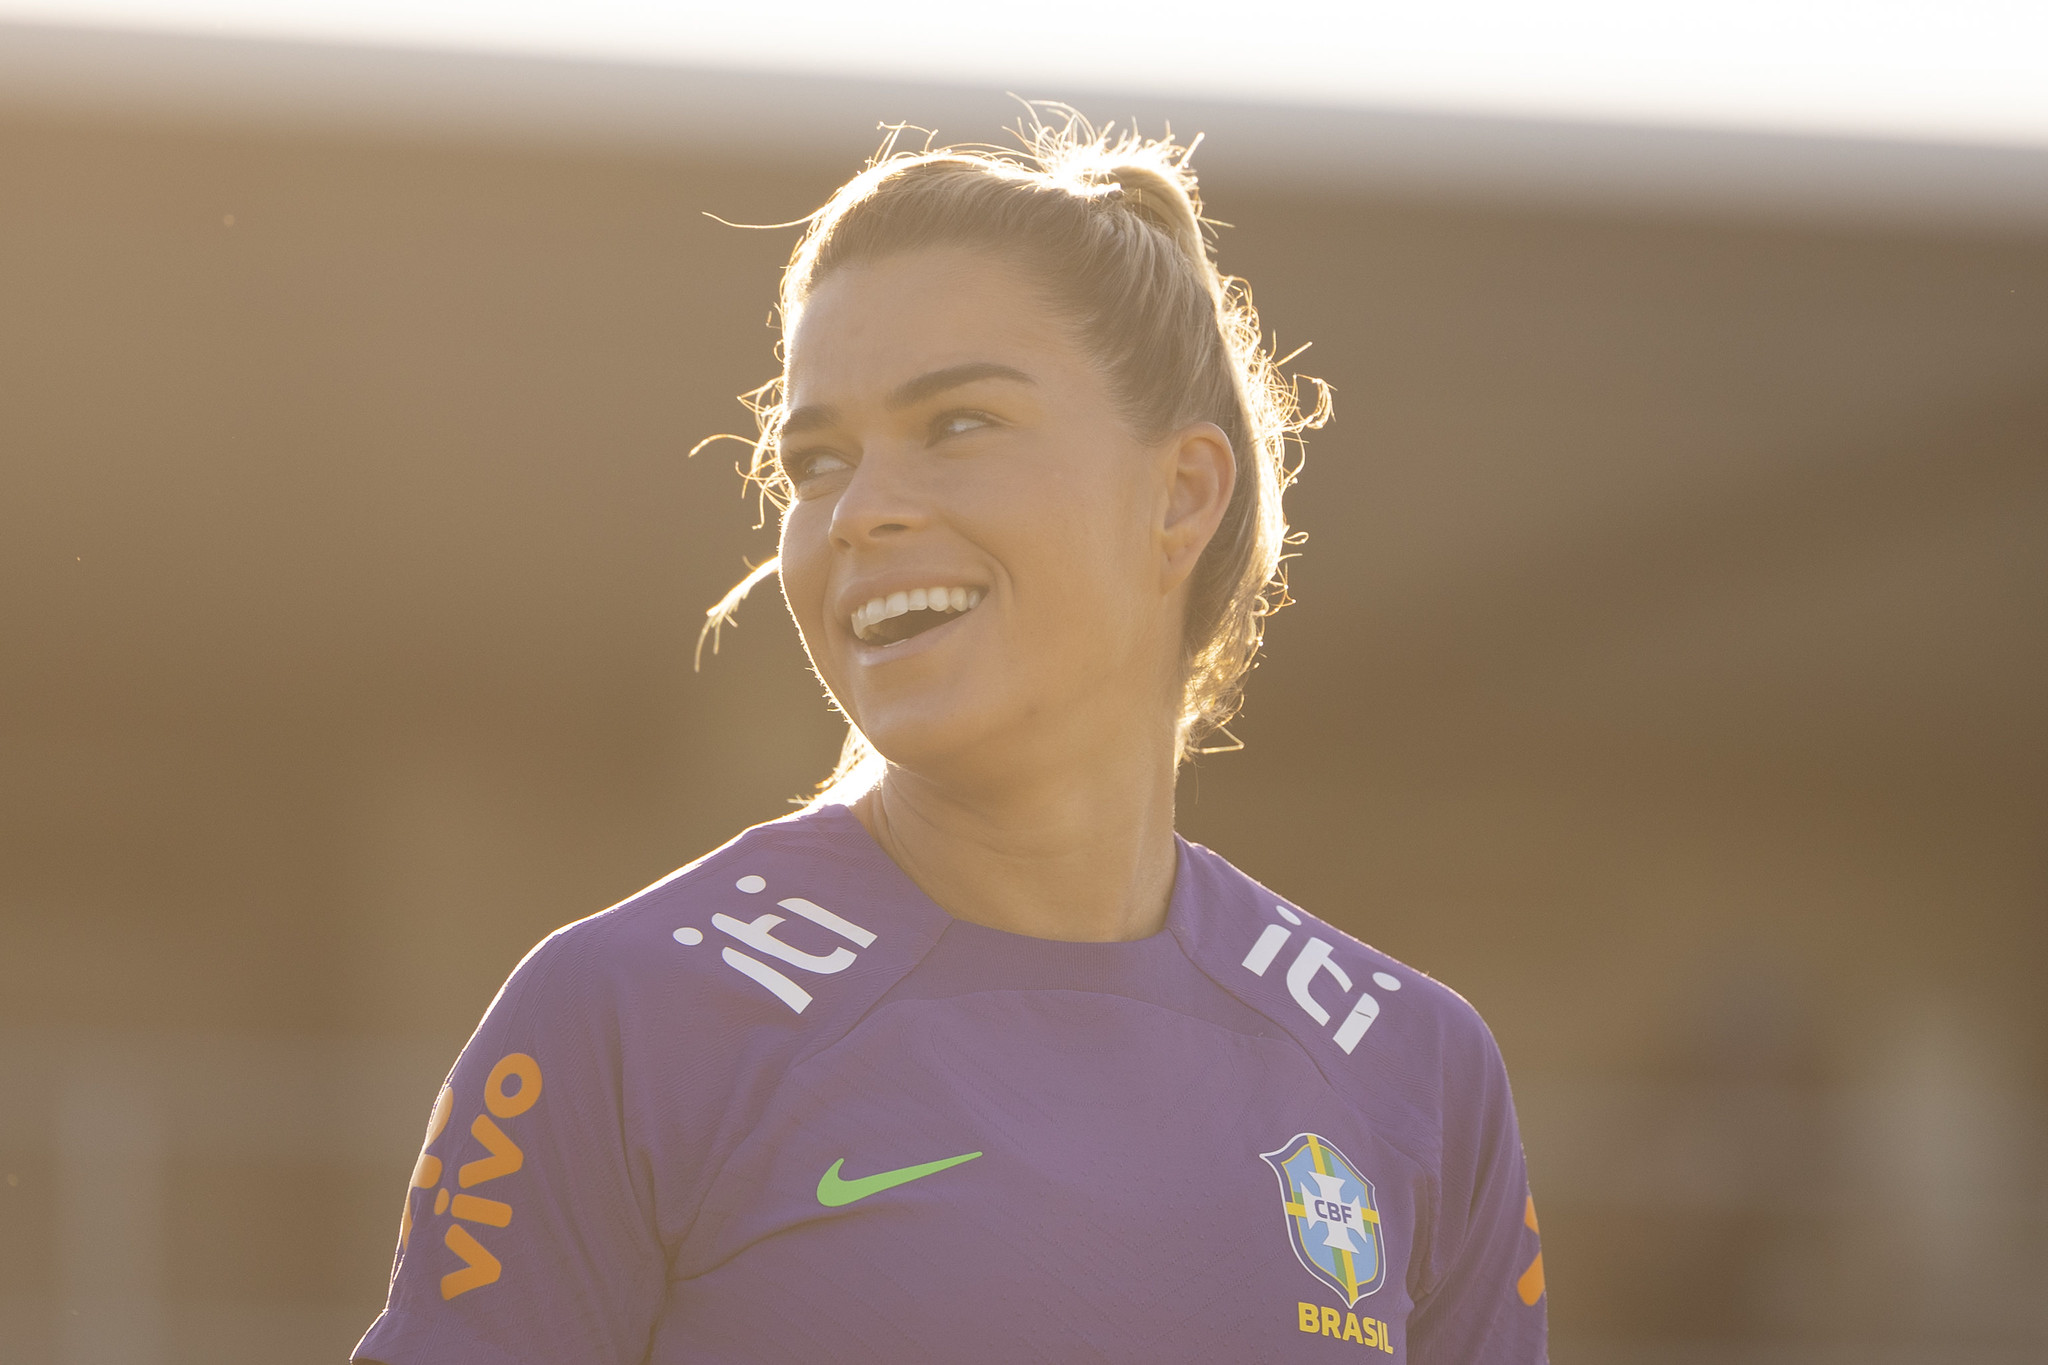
(1199, 470)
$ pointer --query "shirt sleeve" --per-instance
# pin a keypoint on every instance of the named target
(528, 1233)
(1485, 1302)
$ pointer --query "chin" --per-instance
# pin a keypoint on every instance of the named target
(937, 741)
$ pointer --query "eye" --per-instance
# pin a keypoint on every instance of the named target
(808, 466)
(959, 423)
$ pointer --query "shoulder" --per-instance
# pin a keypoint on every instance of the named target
(781, 927)
(661, 1026)
(1369, 1021)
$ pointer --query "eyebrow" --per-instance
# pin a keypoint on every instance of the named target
(911, 392)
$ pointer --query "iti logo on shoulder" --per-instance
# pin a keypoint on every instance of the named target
(1332, 1218)
(1312, 961)
(759, 935)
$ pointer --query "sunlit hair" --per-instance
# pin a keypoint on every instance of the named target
(1111, 228)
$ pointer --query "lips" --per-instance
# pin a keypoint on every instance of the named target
(898, 616)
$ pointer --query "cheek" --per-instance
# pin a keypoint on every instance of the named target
(1082, 555)
(805, 566)
(1096, 513)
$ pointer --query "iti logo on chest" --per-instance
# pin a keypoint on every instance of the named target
(1332, 1218)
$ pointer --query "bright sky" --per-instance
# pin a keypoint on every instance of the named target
(1970, 70)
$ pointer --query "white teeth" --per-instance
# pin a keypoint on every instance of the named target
(880, 609)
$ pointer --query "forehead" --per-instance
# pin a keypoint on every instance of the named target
(867, 328)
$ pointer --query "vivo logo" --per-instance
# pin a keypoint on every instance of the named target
(758, 934)
(1312, 961)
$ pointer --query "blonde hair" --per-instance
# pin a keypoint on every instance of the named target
(1112, 229)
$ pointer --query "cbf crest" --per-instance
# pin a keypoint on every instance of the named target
(1332, 1219)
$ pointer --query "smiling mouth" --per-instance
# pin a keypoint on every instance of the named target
(893, 619)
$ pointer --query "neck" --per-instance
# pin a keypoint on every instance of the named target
(1078, 851)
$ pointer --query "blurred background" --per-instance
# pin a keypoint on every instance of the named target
(1667, 675)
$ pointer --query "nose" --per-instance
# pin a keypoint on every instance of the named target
(879, 502)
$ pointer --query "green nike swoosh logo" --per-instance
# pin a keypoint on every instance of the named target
(833, 1192)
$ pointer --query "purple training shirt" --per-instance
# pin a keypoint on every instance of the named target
(780, 1106)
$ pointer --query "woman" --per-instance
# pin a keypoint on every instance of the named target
(973, 1059)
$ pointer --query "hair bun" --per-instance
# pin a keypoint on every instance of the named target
(1152, 181)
